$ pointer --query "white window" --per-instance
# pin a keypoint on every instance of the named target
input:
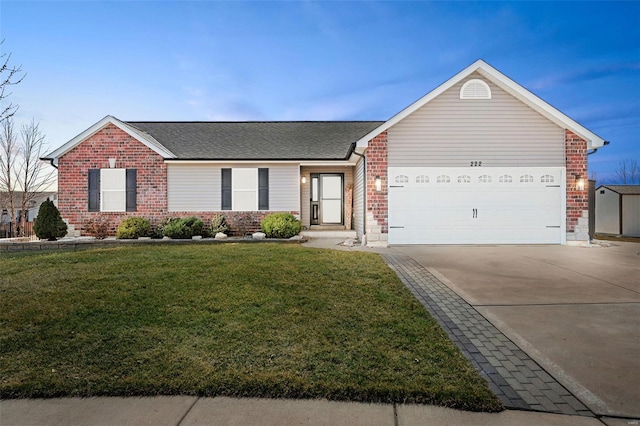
(422, 179)
(526, 179)
(245, 189)
(546, 179)
(113, 190)
(443, 179)
(402, 179)
(505, 179)
(464, 179)
(484, 179)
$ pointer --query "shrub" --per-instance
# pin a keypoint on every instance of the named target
(280, 225)
(156, 231)
(183, 228)
(97, 227)
(49, 224)
(133, 227)
(218, 224)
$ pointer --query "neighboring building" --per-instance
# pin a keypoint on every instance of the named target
(7, 228)
(34, 205)
(618, 210)
(478, 160)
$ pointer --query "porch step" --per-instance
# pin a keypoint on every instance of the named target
(71, 230)
(329, 234)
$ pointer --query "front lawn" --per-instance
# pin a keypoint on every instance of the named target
(264, 320)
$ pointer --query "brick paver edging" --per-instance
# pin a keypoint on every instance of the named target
(89, 244)
(515, 378)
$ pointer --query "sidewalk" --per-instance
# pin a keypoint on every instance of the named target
(189, 411)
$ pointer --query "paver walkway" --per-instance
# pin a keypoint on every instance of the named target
(516, 379)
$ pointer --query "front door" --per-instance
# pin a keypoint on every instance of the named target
(327, 192)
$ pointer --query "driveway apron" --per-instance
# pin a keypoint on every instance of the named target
(568, 313)
(515, 378)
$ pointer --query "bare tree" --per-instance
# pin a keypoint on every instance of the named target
(9, 76)
(628, 172)
(33, 176)
(8, 154)
(23, 177)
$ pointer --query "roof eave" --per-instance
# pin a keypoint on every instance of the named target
(255, 160)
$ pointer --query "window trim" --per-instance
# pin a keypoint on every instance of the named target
(228, 189)
(95, 190)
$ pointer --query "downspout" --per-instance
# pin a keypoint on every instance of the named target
(364, 195)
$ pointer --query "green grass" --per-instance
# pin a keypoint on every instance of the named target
(263, 320)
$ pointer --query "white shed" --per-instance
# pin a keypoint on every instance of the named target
(618, 210)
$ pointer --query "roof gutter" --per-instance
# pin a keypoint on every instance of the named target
(51, 160)
(596, 149)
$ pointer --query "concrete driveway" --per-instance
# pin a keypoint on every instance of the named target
(575, 310)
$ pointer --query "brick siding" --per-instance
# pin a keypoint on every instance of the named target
(151, 190)
(577, 200)
(94, 153)
(377, 207)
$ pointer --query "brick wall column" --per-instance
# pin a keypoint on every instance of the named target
(577, 200)
(377, 207)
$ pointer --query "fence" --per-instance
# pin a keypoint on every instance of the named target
(7, 228)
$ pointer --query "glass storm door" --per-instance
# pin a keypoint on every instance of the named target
(327, 199)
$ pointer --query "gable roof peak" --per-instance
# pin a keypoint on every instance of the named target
(135, 133)
(505, 83)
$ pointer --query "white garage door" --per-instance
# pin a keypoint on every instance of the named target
(476, 205)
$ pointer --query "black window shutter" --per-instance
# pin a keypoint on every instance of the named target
(226, 189)
(94, 190)
(132, 177)
(263, 189)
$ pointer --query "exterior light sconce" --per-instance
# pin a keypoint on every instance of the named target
(378, 184)
(112, 163)
(579, 181)
(304, 180)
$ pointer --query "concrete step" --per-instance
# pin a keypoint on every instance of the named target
(329, 234)
(72, 231)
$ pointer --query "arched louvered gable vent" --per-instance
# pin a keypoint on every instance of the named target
(475, 89)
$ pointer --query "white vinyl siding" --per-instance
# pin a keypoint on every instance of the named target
(197, 187)
(113, 190)
(284, 187)
(499, 132)
(193, 188)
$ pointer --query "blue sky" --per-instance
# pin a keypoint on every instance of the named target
(205, 60)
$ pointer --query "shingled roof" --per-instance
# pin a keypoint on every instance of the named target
(258, 140)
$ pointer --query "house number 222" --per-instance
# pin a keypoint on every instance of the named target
(476, 163)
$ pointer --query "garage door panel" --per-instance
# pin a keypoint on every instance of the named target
(476, 206)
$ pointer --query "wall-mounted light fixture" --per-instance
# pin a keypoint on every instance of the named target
(579, 181)
(378, 184)
(112, 163)
(304, 179)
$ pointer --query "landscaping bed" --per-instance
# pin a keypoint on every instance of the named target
(261, 320)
